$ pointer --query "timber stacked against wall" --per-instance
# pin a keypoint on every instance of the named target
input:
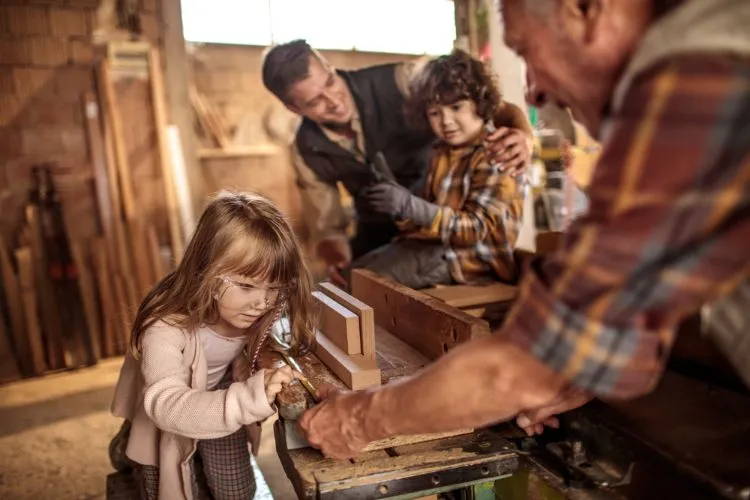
(85, 229)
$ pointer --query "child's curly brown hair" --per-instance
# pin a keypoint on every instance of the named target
(448, 79)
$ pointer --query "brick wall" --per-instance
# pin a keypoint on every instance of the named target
(46, 63)
(229, 76)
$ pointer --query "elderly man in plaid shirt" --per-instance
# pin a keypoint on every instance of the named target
(665, 84)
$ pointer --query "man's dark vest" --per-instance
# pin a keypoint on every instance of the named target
(381, 112)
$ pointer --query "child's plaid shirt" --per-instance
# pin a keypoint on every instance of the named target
(479, 216)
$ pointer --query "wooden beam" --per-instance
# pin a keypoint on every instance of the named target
(462, 296)
(14, 302)
(105, 281)
(26, 282)
(88, 299)
(165, 161)
(429, 325)
(9, 370)
(338, 324)
(176, 78)
(364, 312)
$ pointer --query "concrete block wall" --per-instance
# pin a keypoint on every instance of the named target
(46, 62)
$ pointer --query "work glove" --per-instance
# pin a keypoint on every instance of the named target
(397, 201)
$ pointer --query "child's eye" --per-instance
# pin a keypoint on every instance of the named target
(457, 106)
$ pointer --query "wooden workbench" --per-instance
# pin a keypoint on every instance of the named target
(407, 471)
(412, 329)
(399, 470)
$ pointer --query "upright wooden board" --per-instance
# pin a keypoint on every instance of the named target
(429, 325)
(8, 362)
(339, 324)
(30, 309)
(15, 306)
(365, 313)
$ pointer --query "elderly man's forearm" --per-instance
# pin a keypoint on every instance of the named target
(480, 383)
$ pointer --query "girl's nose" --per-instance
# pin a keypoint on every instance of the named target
(261, 301)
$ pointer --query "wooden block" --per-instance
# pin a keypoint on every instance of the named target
(462, 296)
(365, 313)
(356, 372)
(426, 323)
(338, 324)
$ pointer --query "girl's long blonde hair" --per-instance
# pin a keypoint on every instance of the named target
(238, 233)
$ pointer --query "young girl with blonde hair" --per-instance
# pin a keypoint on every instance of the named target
(191, 386)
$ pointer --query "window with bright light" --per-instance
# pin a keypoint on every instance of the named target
(392, 26)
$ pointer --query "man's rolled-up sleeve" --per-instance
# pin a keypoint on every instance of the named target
(667, 231)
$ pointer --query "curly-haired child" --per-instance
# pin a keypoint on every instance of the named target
(464, 226)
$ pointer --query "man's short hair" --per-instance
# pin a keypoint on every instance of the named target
(286, 64)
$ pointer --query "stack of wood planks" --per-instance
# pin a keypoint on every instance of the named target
(65, 303)
(345, 340)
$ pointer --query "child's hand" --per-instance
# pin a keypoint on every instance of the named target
(275, 380)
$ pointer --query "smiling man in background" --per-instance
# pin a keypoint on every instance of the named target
(666, 86)
(349, 117)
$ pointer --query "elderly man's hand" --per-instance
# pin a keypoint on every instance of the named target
(511, 148)
(335, 426)
(534, 421)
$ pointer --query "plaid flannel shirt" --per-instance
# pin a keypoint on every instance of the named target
(668, 230)
(479, 216)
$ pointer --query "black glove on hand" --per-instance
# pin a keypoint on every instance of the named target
(394, 199)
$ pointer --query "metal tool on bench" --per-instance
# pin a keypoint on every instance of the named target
(294, 440)
(282, 348)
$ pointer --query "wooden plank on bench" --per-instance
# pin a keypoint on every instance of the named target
(364, 311)
(339, 324)
(427, 324)
(462, 296)
(357, 372)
